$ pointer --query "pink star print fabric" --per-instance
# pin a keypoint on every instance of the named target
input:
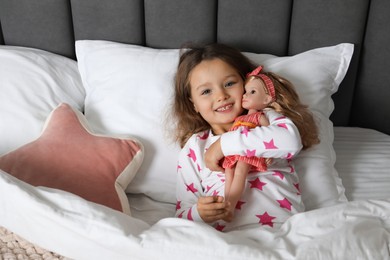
(269, 197)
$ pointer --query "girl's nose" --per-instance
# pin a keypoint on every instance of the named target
(222, 95)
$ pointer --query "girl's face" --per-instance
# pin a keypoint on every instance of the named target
(255, 96)
(216, 92)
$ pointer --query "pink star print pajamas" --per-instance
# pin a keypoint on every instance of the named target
(269, 197)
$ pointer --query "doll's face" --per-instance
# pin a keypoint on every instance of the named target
(255, 96)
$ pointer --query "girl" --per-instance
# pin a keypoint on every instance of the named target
(208, 95)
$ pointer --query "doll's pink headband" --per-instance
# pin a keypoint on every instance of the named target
(267, 81)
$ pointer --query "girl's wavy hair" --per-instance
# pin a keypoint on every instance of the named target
(288, 103)
(188, 121)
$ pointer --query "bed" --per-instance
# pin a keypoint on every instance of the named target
(80, 78)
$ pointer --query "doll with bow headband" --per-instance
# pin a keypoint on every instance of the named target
(264, 90)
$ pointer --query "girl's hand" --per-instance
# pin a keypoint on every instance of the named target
(213, 155)
(212, 208)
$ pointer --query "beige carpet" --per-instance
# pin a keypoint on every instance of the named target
(14, 247)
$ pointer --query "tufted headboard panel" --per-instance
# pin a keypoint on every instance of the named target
(279, 27)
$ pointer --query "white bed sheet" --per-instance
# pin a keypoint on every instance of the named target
(149, 210)
(75, 228)
(363, 162)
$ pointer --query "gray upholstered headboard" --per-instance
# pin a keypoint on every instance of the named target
(280, 27)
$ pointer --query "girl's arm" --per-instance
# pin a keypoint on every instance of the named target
(280, 139)
(191, 202)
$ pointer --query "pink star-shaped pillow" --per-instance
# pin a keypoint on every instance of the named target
(67, 156)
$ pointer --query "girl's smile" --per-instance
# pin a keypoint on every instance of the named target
(216, 92)
(225, 108)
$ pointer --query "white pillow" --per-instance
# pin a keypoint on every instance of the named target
(32, 83)
(316, 74)
(129, 88)
(128, 91)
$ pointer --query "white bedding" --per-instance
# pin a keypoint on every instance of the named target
(78, 229)
(363, 162)
(354, 230)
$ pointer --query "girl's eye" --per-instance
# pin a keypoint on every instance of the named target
(229, 84)
(205, 92)
(252, 92)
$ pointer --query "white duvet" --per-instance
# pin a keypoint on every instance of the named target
(75, 228)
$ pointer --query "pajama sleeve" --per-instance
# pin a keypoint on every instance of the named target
(188, 187)
(280, 139)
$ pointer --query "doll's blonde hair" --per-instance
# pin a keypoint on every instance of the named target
(287, 103)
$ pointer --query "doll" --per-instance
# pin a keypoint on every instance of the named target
(259, 93)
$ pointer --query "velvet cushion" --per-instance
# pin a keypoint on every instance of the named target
(69, 157)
